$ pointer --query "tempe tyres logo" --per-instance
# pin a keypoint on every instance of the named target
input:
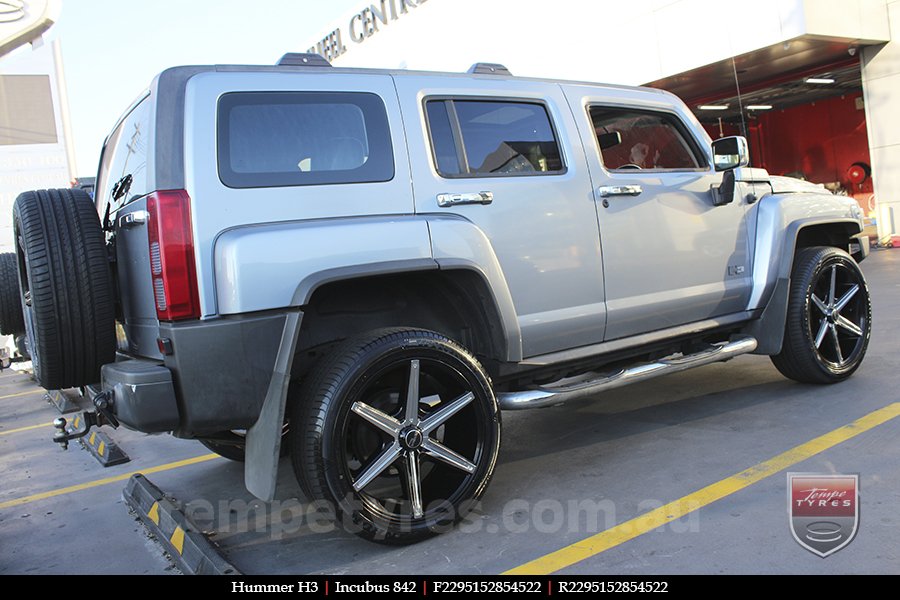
(823, 510)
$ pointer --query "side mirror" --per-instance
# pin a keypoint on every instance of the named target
(730, 153)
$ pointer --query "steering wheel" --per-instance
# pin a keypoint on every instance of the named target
(630, 166)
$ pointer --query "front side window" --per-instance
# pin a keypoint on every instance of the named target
(482, 138)
(638, 139)
(268, 139)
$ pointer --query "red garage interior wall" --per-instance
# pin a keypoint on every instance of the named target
(821, 140)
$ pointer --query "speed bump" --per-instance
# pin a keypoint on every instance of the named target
(191, 551)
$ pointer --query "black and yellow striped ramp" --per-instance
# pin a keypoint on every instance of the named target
(101, 446)
(191, 551)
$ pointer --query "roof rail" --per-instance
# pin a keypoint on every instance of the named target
(489, 69)
(301, 59)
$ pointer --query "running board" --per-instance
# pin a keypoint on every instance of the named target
(579, 387)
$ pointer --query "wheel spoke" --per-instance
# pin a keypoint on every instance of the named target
(384, 460)
(382, 421)
(823, 329)
(819, 304)
(437, 419)
(412, 394)
(414, 484)
(837, 345)
(848, 325)
(831, 291)
(846, 298)
(437, 450)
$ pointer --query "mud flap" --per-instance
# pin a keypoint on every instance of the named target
(264, 437)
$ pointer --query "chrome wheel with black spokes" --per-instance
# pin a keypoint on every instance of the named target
(400, 430)
(829, 317)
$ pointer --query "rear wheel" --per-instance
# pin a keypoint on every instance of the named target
(66, 286)
(399, 431)
(829, 318)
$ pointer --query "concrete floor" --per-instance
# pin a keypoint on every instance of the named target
(565, 473)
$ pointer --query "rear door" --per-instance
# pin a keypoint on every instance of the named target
(670, 256)
(122, 183)
(513, 144)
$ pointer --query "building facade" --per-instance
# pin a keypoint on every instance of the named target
(810, 83)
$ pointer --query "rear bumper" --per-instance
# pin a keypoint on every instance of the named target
(214, 379)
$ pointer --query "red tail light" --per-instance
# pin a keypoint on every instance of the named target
(172, 256)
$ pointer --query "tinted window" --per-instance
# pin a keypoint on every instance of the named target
(303, 138)
(123, 167)
(498, 138)
(645, 140)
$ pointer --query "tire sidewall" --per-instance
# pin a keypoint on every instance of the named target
(356, 513)
(28, 313)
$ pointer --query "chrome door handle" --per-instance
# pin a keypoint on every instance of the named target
(137, 217)
(445, 200)
(606, 191)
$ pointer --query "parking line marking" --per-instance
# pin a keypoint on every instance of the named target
(99, 482)
(35, 391)
(610, 538)
(48, 424)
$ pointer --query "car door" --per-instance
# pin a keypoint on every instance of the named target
(670, 256)
(509, 150)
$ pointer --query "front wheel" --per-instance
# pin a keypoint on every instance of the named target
(398, 431)
(829, 318)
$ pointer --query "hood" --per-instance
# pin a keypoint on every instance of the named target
(790, 185)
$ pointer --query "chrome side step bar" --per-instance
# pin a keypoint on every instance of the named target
(590, 384)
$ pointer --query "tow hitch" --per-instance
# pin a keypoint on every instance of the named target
(102, 416)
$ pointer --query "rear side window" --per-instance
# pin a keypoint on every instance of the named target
(268, 139)
(483, 138)
(123, 167)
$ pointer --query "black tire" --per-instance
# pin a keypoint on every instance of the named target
(22, 346)
(828, 328)
(231, 444)
(11, 320)
(66, 287)
(370, 475)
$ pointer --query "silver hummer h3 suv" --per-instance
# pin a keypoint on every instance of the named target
(361, 268)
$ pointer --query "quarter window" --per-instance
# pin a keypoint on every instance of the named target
(483, 138)
(269, 139)
(635, 139)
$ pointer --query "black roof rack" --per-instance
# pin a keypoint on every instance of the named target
(489, 69)
(302, 59)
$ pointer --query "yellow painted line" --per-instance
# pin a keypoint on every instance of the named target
(99, 482)
(101, 447)
(610, 538)
(92, 438)
(26, 428)
(36, 391)
(177, 539)
(153, 515)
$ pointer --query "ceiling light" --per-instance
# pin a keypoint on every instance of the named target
(713, 107)
(759, 107)
(824, 80)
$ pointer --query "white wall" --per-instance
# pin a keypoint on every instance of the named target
(35, 166)
(613, 41)
(881, 85)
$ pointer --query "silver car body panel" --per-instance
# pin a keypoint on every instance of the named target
(541, 227)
